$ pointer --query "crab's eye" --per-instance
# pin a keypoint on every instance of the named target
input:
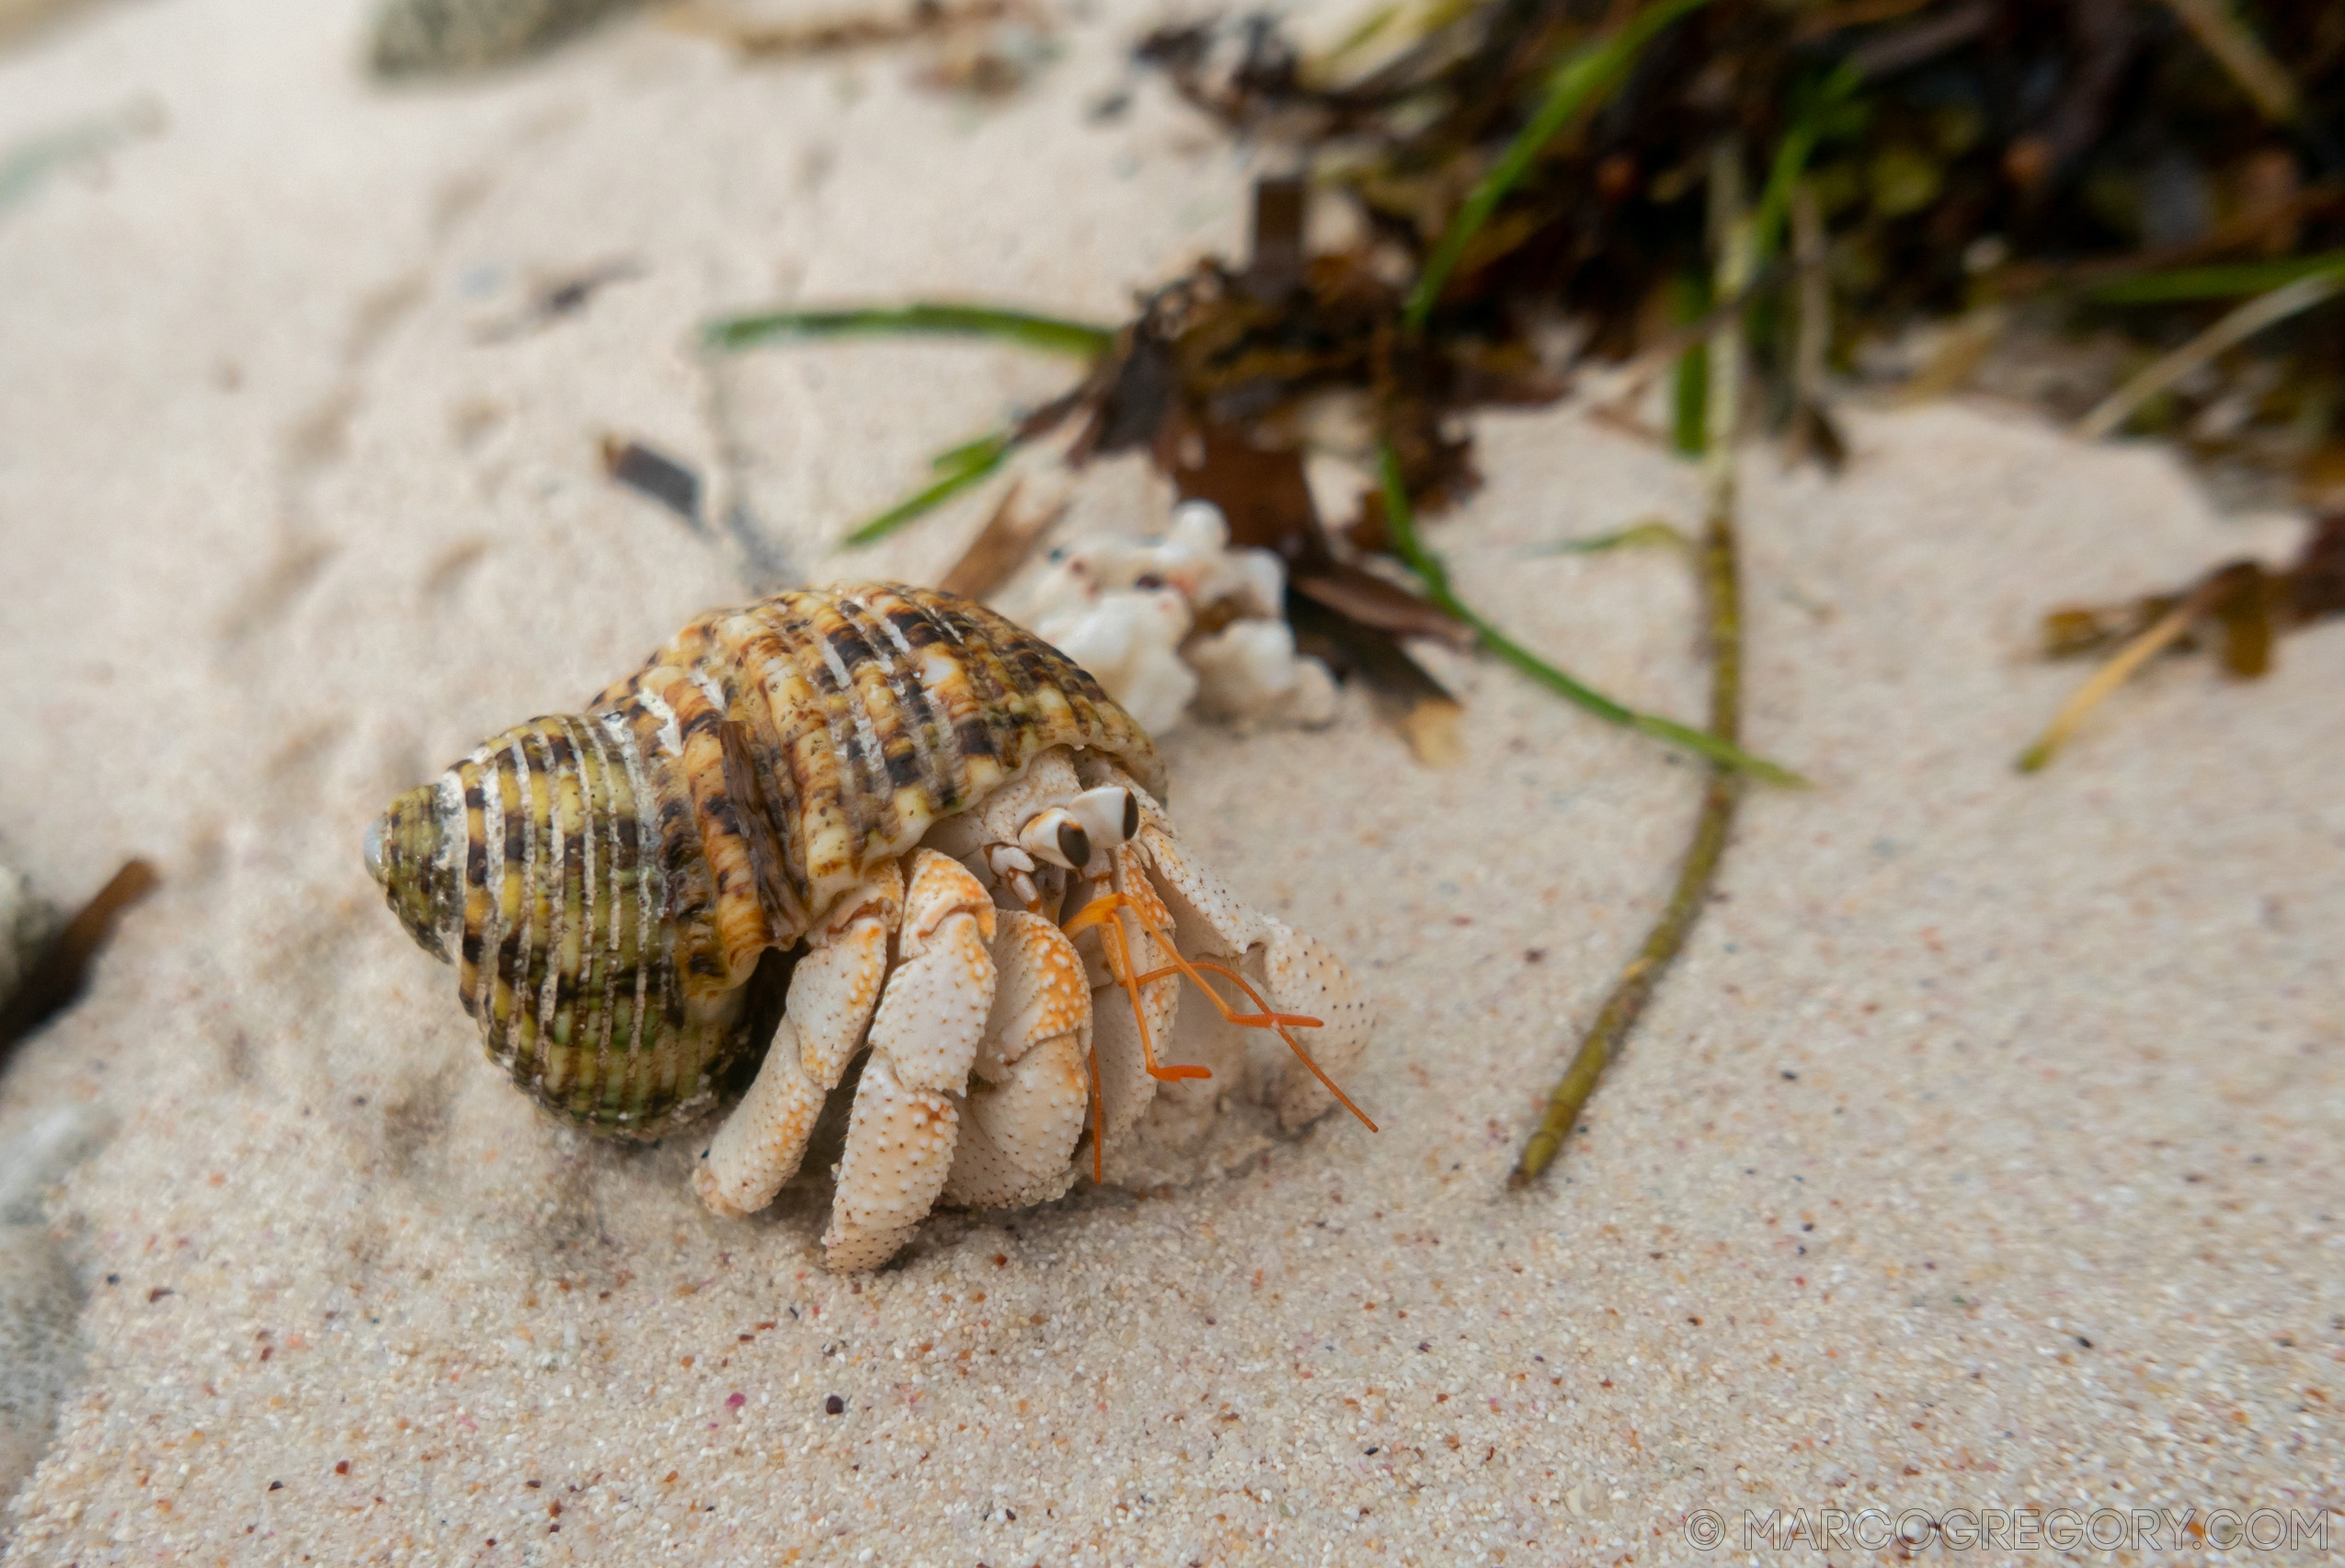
(1110, 814)
(1056, 836)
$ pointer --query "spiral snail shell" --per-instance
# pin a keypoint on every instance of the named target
(608, 881)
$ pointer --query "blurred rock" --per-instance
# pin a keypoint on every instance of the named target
(421, 36)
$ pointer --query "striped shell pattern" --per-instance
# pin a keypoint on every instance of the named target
(618, 887)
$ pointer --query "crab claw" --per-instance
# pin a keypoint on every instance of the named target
(1024, 1108)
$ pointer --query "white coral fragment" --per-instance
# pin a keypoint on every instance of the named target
(1249, 670)
(1177, 621)
(1130, 641)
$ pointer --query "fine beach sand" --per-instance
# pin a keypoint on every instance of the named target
(1981, 1152)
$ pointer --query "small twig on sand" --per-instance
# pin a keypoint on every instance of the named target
(1722, 590)
(2264, 310)
(1001, 546)
(2241, 53)
(2122, 666)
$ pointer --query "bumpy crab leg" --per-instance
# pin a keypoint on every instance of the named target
(924, 1039)
(1266, 1019)
(1028, 1087)
(832, 992)
(1297, 974)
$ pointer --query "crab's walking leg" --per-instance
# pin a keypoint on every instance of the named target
(1031, 1078)
(1299, 974)
(832, 991)
(1305, 976)
(923, 1040)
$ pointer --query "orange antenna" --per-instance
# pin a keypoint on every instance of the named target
(1267, 1019)
(1100, 911)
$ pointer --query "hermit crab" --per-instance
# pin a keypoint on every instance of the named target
(876, 817)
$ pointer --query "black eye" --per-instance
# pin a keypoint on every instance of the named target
(1131, 816)
(1075, 844)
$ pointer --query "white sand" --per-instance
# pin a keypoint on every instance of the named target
(1963, 1073)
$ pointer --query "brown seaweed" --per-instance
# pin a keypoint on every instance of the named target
(2243, 607)
(54, 979)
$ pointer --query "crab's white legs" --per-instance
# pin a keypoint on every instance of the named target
(832, 991)
(1304, 976)
(1295, 972)
(923, 1040)
(1031, 1082)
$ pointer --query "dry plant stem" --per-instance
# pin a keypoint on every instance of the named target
(1002, 546)
(2264, 310)
(2240, 52)
(1814, 339)
(2121, 668)
(1721, 592)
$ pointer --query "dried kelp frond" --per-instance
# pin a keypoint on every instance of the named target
(1213, 380)
(2164, 176)
(1527, 159)
(53, 979)
(1532, 174)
